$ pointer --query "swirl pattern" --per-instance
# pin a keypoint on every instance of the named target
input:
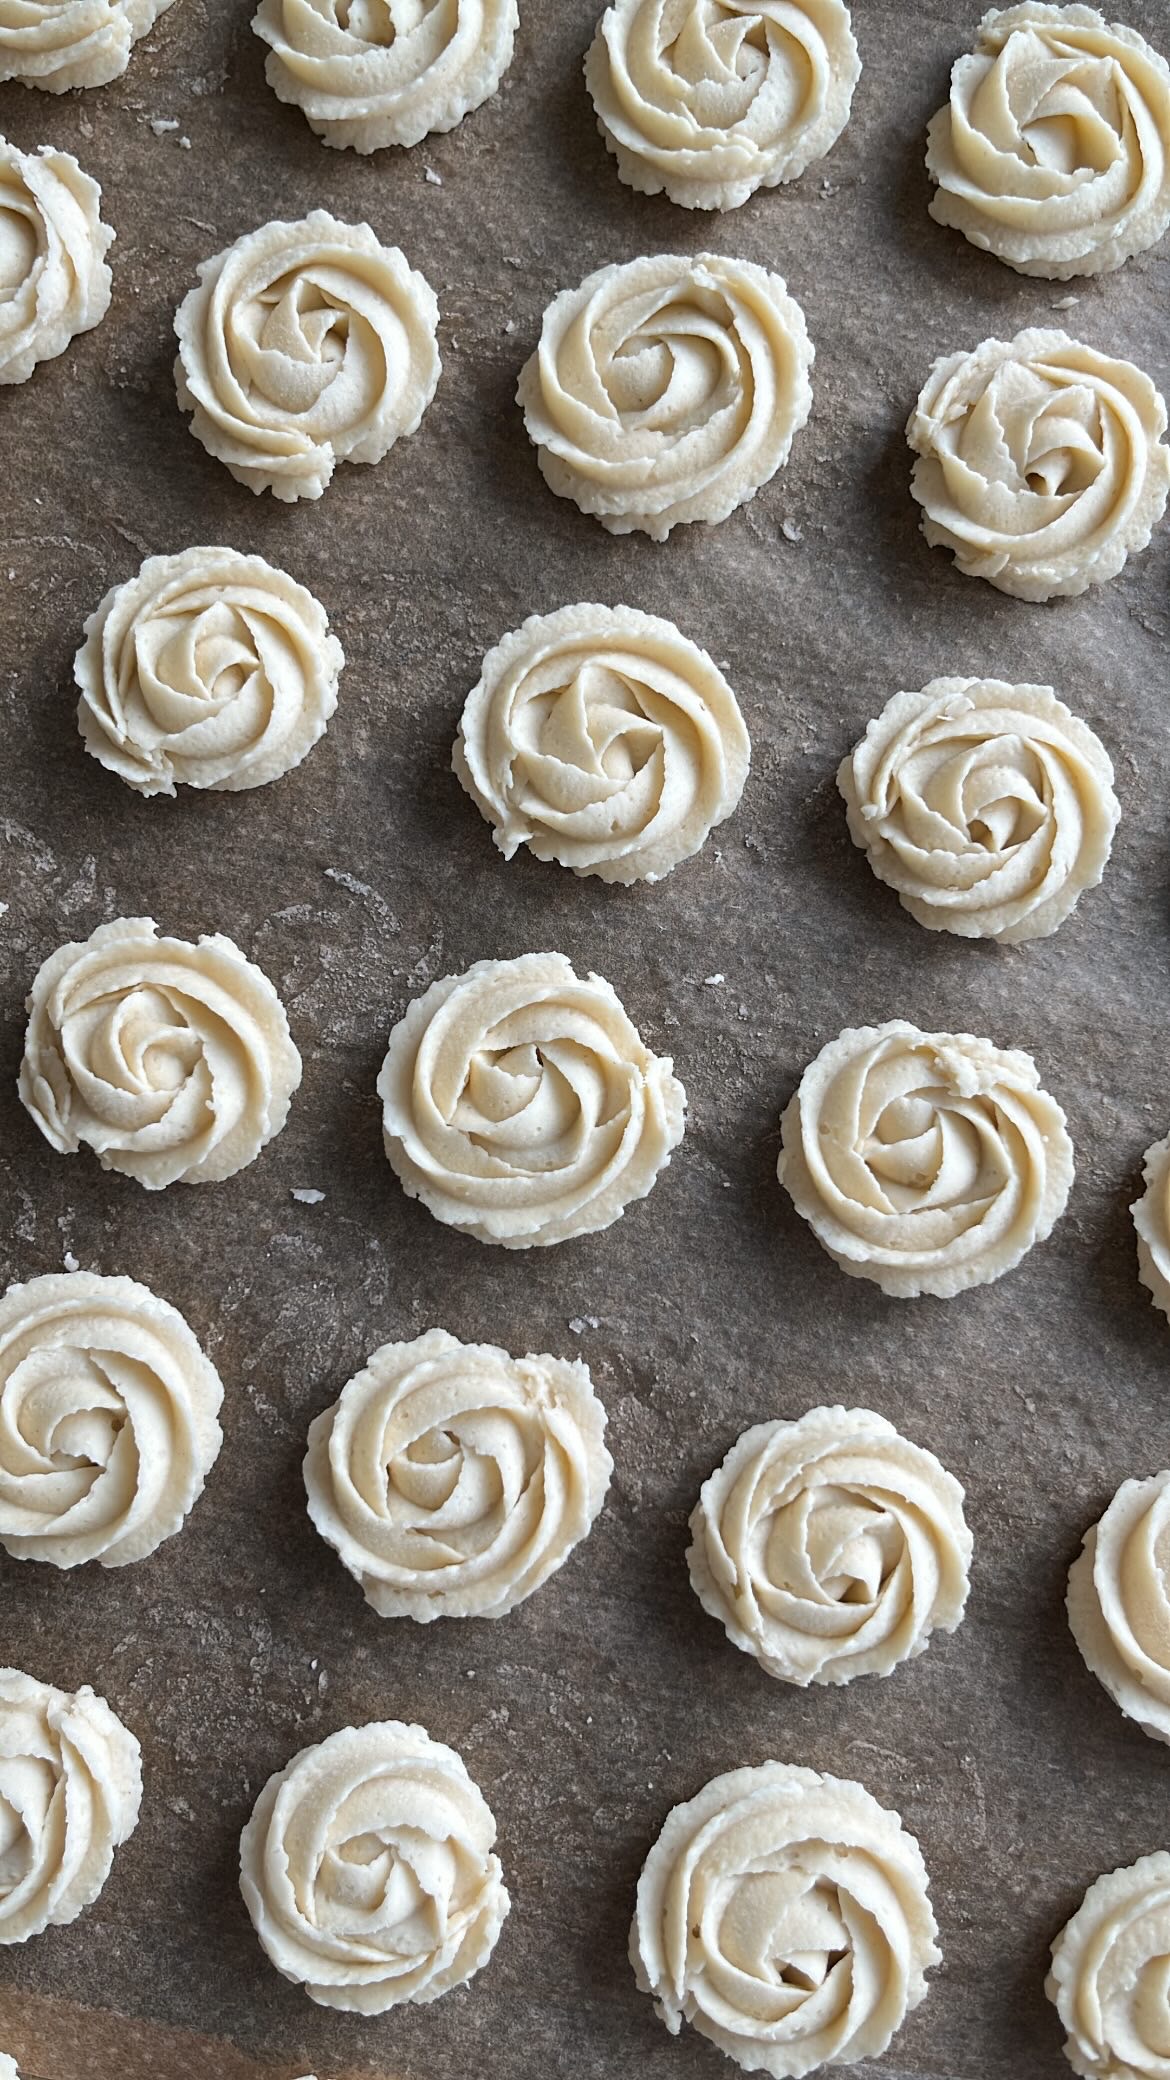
(1151, 1218)
(60, 44)
(70, 1790)
(1053, 151)
(302, 346)
(520, 1104)
(988, 807)
(368, 1871)
(604, 739)
(209, 669)
(383, 72)
(1119, 1602)
(667, 390)
(171, 1061)
(786, 1916)
(928, 1162)
(712, 99)
(831, 1547)
(453, 1480)
(1041, 463)
(108, 1420)
(54, 281)
(1108, 1977)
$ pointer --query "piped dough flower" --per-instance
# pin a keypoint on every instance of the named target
(59, 44)
(453, 1480)
(786, 1916)
(604, 739)
(1041, 463)
(928, 1162)
(304, 345)
(1151, 1218)
(369, 73)
(1119, 1602)
(712, 99)
(209, 669)
(989, 808)
(54, 281)
(520, 1103)
(831, 1547)
(108, 1420)
(1108, 1977)
(667, 389)
(715, 100)
(367, 1869)
(171, 1060)
(1053, 151)
(70, 1790)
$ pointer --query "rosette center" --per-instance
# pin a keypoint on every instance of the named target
(677, 370)
(834, 1546)
(19, 247)
(140, 1042)
(206, 659)
(785, 1932)
(450, 1479)
(68, 1416)
(368, 21)
(295, 339)
(586, 741)
(535, 1104)
(1066, 114)
(722, 55)
(921, 1155)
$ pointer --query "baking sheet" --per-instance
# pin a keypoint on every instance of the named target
(356, 880)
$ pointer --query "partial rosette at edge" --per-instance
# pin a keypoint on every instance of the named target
(376, 73)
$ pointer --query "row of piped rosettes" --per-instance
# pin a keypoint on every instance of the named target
(605, 739)
(453, 1480)
(1052, 151)
(926, 1162)
(828, 1548)
(369, 1870)
(1041, 462)
(370, 1873)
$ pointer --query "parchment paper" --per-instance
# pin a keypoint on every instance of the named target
(358, 879)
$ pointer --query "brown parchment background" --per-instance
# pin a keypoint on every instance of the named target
(358, 879)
